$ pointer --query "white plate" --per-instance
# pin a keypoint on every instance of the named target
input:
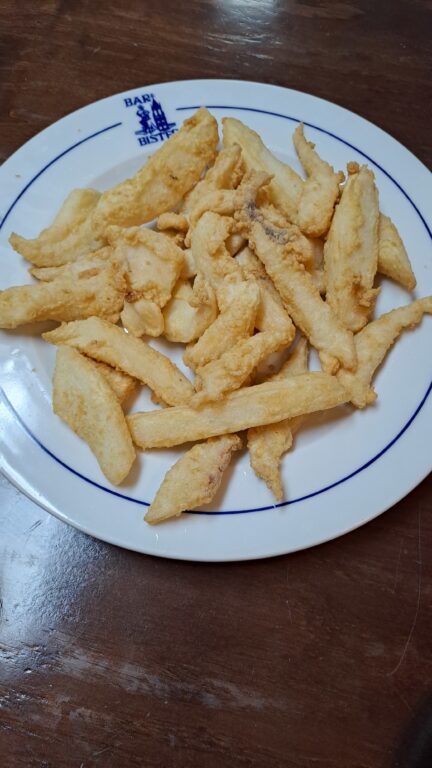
(343, 471)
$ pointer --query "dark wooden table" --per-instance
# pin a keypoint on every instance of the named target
(112, 659)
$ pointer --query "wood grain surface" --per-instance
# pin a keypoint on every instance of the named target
(113, 659)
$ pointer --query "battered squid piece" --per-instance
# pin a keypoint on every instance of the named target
(46, 274)
(373, 343)
(72, 270)
(306, 254)
(209, 252)
(110, 344)
(316, 268)
(171, 220)
(393, 259)
(76, 293)
(185, 322)
(165, 178)
(267, 444)
(271, 315)
(320, 191)
(175, 226)
(189, 267)
(226, 201)
(277, 249)
(270, 212)
(233, 368)
(85, 401)
(235, 243)
(250, 264)
(154, 262)
(194, 479)
(286, 185)
(351, 251)
(238, 299)
(235, 322)
(237, 362)
(202, 293)
(253, 406)
(122, 385)
(70, 236)
(226, 173)
(142, 318)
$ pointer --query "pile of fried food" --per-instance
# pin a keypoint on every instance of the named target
(244, 258)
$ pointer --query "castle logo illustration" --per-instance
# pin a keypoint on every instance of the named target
(154, 124)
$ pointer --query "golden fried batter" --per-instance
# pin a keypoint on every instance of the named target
(286, 185)
(78, 292)
(233, 368)
(277, 249)
(186, 319)
(226, 173)
(236, 321)
(267, 444)
(164, 179)
(393, 260)
(154, 262)
(247, 407)
(110, 344)
(194, 478)
(373, 343)
(320, 191)
(70, 236)
(85, 401)
(351, 252)
(121, 383)
(142, 318)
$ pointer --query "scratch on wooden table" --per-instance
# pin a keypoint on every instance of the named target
(403, 700)
(214, 694)
(27, 115)
(419, 585)
(101, 751)
(339, 11)
(397, 566)
(91, 717)
(287, 601)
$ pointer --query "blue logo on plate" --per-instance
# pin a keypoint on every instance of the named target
(152, 119)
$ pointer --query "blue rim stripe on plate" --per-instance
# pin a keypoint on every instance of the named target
(235, 511)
